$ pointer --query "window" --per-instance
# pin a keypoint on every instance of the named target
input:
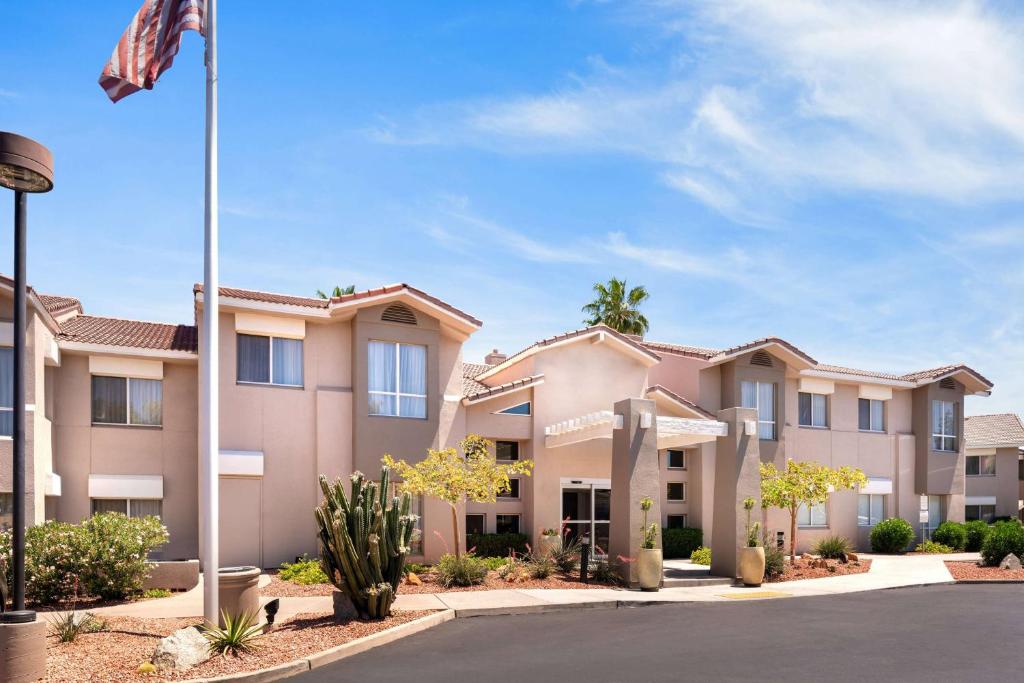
(475, 524)
(519, 409)
(6, 393)
(142, 507)
(6, 511)
(398, 379)
(513, 491)
(944, 426)
(127, 401)
(675, 522)
(506, 524)
(986, 513)
(981, 465)
(506, 450)
(761, 396)
(870, 509)
(269, 360)
(871, 414)
(812, 410)
(815, 515)
(676, 460)
(677, 491)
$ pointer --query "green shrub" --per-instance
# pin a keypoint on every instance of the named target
(238, 635)
(832, 547)
(952, 534)
(977, 531)
(495, 563)
(497, 545)
(118, 547)
(1003, 539)
(774, 560)
(701, 555)
(676, 543)
(305, 572)
(891, 535)
(155, 593)
(466, 570)
(416, 568)
(933, 547)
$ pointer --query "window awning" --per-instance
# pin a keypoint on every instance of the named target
(126, 486)
(980, 500)
(241, 463)
(877, 486)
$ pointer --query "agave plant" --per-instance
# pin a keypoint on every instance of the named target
(236, 637)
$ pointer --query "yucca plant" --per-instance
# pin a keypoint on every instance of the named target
(236, 637)
(69, 625)
(833, 547)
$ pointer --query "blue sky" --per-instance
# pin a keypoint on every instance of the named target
(844, 175)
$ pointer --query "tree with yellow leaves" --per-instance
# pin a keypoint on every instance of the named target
(445, 474)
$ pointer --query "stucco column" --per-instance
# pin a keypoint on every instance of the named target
(635, 475)
(737, 476)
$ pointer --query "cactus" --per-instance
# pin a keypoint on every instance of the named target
(364, 539)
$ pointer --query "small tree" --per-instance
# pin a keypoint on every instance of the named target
(336, 292)
(803, 483)
(454, 478)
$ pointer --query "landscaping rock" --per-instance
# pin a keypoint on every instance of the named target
(1011, 562)
(181, 650)
(344, 610)
(807, 556)
(843, 558)
(412, 580)
(852, 557)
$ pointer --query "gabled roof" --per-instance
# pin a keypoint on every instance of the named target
(685, 404)
(1003, 430)
(680, 349)
(137, 334)
(469, 372)
(56, 305)
(789, 352)
(508, 387)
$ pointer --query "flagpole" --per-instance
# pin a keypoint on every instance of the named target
(209, 349)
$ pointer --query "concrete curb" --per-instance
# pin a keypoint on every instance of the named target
(982, 582)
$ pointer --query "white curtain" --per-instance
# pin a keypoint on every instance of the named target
(748, 394)
(253, 358)
(146, 398)
(877, 411)
(818, 402)
(287, 361)
(101, 505)
(382, 385)
(413, 380)
(6, 391)
(146, 508)
(766, 410)
(109, 400)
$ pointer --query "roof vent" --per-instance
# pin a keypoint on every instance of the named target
(398, 313)
(947, 383)
(761, 358)
(495, 357)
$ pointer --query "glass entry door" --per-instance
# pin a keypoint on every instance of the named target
(586, 511)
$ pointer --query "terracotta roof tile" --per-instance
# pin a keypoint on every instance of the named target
(993, 431)
(55, 304)
(90, 329)
(470, 385)
(268, 297)
(853, 371)
(487, 392)
(681, 349)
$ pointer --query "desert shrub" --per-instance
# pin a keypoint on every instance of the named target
(603, 571)
(541, 566)
(1003, 539)
(952, 534)
(155, 593)
(495, 563)
(567, 553)
(69, 625)
(891, 535)
(677, 543)
(237, 636)
(933, 547)
(465, 570)
(305, 572)
(832, 547)
(515, 570)
(774, 560)
(416, 568)
(118, 547)
(977, 531)
(701, 555)
(497, 545)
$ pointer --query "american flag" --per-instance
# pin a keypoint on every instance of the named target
(149, 44)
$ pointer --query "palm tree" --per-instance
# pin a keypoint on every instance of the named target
(618, 308)
(337, 291)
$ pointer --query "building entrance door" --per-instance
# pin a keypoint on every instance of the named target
(586, 511)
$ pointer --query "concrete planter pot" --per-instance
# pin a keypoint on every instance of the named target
(649, 569)
(752, 566)
(548, 544)
(238, 591)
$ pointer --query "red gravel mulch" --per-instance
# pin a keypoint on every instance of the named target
(802, 569)
(279, 588)
(972, 571)
(115, 654)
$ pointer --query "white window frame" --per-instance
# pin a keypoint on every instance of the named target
(980, 472)
(128, 506)
(398, 393)
(810, 517)
(871, 521)
(512, 493)
(686, 520)
(941, 435)
(668, 459)
(872, 427)
(519, 522)
(128, 402)
(824, 399)
(270, 360)
(757, 407)
(10, 409)
(481, 515)
(675, 500)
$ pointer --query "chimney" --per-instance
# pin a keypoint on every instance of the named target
(494, 357)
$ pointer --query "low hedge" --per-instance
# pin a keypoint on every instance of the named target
(952, 534)
(679, 543)
(891, 535)
(977, 531)
(497, 545)
(1005, 538)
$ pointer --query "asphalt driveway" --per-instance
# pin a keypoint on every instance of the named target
(938, 633)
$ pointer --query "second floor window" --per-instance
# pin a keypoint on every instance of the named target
(269, 360)
(944, 425)
(760, 395)
(397, 379)
(871, 414)
(127, 401)
(506, 450)
(981, 465)
(813, 410)
(6, 391)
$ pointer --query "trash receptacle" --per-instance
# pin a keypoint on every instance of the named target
(238, 591)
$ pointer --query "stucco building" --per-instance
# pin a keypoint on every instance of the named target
(994, 484)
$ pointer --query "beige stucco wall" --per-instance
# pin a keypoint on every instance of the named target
(1004, 485)
(939, 473)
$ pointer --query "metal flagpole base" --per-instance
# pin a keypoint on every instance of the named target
(22, 647)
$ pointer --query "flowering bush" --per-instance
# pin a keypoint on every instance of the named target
(55, 556)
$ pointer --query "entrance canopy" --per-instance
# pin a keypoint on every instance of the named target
(673, 432)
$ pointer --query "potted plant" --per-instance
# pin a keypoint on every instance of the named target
(649, 564)
(752, 556)
(550, 541)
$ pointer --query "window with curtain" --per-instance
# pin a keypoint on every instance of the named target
(944, 426)
(986, 513)
(870, 509)
(6, 391)
(127, 401)
(760, 396)
(397, 379)
(870, 415)
(981, 465)
(269, 360)
(6, 511)
(102, 505)
(135, 507)
(813, 410)
(813, 515)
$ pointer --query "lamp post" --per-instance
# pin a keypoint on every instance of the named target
(25, 167)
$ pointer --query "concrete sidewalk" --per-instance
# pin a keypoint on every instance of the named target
(887, 571)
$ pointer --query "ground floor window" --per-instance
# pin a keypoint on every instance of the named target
(870, 509)
(676, 491)
(6, 511)
(506, 524)
(586, 510)
(513, 490)
(812, 516)
(133, 507)
(675, 522)
(986, 513)
(475, 524)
